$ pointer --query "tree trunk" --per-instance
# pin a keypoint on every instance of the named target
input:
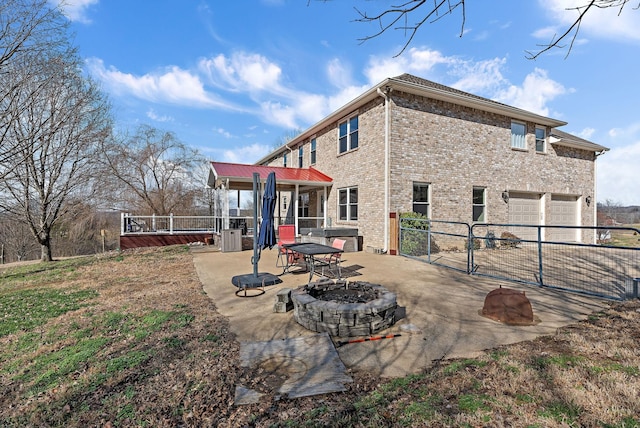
(45, 248)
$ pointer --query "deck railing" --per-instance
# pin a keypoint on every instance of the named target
(172, 224)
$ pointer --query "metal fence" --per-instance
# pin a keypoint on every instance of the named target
(492, 250)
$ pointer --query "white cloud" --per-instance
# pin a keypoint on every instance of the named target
(417, 60)
(618, 174)
(243, 71)
(586, 133)
(224, 133)
(75, 10)
(534, 94)
(338, 73)
(480, 77)
(172, 85)
(151, 114)
(598, 22)
(245, 154)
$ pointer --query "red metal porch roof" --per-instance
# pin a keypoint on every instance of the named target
(243, 173)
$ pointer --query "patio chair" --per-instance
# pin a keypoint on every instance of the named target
(332, 261)
(286, 235)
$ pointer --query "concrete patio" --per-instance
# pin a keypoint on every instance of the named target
(439, 309)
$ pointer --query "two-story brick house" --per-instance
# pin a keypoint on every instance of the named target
(409, 144)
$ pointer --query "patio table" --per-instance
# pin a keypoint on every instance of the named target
(310, 251)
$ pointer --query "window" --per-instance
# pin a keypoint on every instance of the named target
(421, 198)
(541, 139)
(348, 137)
(303, 205)
(479, 206)
(284, 160)
(300, 157)
(313, 152)
(348, 203)
(518, 133)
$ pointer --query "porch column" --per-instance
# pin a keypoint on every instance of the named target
(225, 209)
(324, 208)
(295, 208)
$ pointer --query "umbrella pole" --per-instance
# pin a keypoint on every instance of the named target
(256, 257)
(254, 280)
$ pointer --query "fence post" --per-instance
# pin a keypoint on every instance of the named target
(636, 283)
(469, 249)
(540, 255)
(171, 224)
(428, 241)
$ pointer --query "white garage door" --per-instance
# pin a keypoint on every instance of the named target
(563, 212)
(524, 208)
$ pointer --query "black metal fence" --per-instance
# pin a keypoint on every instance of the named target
(495, 251)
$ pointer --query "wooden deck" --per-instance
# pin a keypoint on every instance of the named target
(131, 240)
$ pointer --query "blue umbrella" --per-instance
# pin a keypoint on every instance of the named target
(267, 236)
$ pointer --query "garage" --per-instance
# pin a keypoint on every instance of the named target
(563, 211)
(524, 208)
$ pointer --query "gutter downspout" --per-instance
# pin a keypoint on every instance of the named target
(387, 127)
(595, 195)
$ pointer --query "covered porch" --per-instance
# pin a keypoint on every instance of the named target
(302, 193)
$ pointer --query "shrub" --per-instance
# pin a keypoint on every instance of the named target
(509, 240)
(414, 240)
(476, 244)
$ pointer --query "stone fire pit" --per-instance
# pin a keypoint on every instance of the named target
(343, 308)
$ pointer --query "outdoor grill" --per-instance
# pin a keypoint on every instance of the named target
(343, 308)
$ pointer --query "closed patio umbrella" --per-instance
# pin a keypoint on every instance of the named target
(265, 238)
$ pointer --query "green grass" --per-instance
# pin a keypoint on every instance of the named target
(456, 366)
(564, 412)
(29, 308)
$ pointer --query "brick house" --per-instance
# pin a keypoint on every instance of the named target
(409, 144)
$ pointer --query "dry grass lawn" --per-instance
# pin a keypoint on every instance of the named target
(131, 340)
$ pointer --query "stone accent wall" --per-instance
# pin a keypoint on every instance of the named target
(452, 148)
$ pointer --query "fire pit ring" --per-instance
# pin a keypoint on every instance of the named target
(343, 308)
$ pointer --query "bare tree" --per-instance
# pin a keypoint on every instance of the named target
(55, 127)
(17, 240)
(153, 172)
(28, 29)
(410, 15)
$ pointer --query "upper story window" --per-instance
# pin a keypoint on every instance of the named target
(348, 137)
(479, 204)
(313, 151)
(348, 203)
(300, 157)
(284, 160)
(541, 140)
(421, 198)
(518, 135)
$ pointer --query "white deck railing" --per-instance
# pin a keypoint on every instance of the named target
(155, 224)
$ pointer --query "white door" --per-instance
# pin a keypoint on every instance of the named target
(524, 208)
(563, 212)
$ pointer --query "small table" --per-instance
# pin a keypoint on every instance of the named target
(310, 250)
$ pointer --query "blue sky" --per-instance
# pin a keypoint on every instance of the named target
(233, 78)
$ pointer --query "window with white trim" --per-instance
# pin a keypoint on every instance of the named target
(541, 140)
(348, 203)
(313, 152)
(421, 198)
(479, 204)
(300, 157)
(348, 135)
(518, 135)
(284, 160)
